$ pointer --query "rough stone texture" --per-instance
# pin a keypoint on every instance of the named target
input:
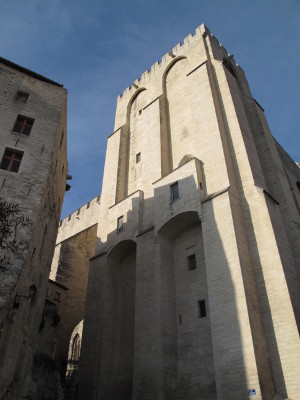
(191, 119)
(43, 380)
(39, 188)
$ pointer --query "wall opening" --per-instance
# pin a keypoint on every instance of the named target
(122, 276)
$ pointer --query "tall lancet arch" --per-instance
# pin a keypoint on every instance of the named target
(179, 125)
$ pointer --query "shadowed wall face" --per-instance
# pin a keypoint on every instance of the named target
(195, 355)
(189, 368)
(122, 275)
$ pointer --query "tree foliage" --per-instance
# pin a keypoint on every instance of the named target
(11, 220)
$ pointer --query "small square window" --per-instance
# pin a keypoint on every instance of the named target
(22, 97)
(202, 308)
(23, 125)
(11, 160)
(174, 192)
(192, 262)
(138, 157)
(120, 226)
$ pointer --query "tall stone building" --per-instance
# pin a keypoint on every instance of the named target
(193, 288)
(33, 171)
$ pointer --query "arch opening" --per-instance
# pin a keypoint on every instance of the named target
(122, 284)
(184, 299)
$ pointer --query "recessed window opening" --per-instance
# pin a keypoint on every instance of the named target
(192, 262)
(201, 187)
(22, 97)
(57, 297)
(140, 112)
(11, 160)
(23, 125)
(202, 308)
(120, 225)
(174, 192)
(138, 157)
(180, 319)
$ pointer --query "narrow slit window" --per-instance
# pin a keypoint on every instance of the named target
(192, 262)
(23, 125)
(120, 225)
(174, 192)
(202, 308)
(138, 157)
(62, 138)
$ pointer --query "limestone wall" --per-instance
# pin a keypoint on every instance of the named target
(191, 124)
(75, 245)
(38, 187)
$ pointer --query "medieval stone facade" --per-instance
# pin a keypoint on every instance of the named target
(193, 289)
(193, 280)
(33, 173)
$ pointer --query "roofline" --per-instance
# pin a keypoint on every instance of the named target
(58, 284)
(29, 72)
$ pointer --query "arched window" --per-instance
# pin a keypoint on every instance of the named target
(76, 349)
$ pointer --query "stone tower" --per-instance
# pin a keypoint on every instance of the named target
(193, 290)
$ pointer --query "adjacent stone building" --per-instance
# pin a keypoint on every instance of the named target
(33, 172)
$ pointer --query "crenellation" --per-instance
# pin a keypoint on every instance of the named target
(166, 58)
(81, 219)
(145, 75)
(176, 48)
(187, 40)
(154, 67)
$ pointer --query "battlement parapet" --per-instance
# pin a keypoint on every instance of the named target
(81, 219)
(166, 58)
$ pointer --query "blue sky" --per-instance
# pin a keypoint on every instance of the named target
(98, 48)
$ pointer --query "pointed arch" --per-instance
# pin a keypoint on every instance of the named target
(133, 97)
(185, 159)
(169, 66)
